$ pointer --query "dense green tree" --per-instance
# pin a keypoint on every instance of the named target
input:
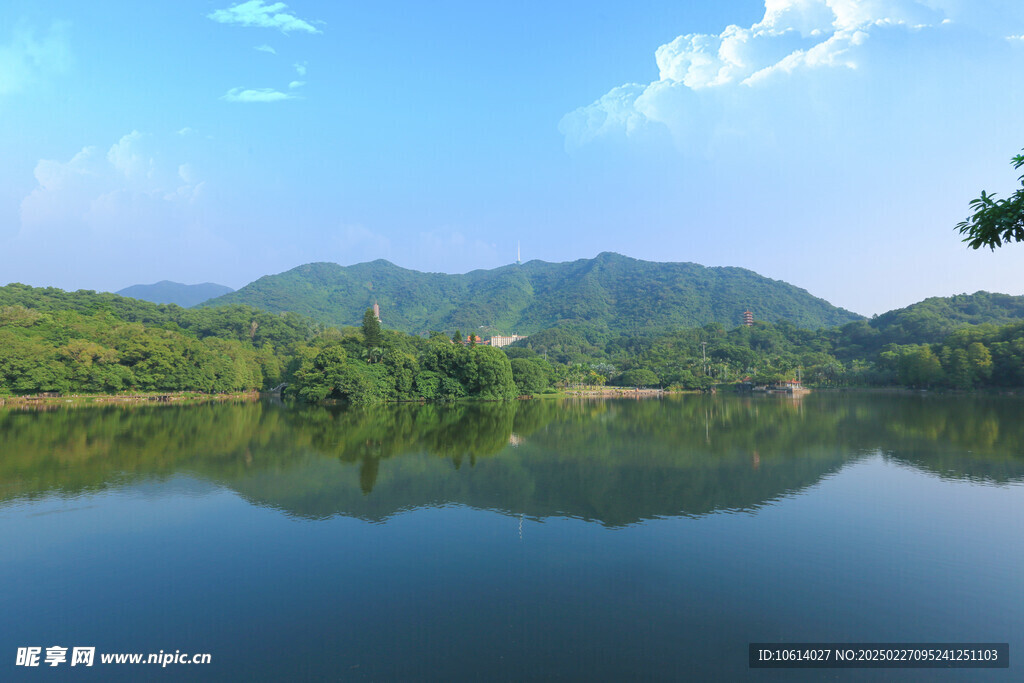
(918, 366)
(427, 385)
(529, 375)
(638, 378)
(491, 373)
(402, 369)
(408, 370)
(372, 337)
(88, 342)
(320, 373)
(957, 368)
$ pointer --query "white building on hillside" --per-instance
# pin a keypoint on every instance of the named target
(499, 341)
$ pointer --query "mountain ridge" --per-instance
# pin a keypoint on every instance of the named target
(170, 292)
(609, 290)
(929, 321)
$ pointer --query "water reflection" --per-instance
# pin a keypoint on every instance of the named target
(616, 462)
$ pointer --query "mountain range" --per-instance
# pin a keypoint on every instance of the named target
(611, 291)
(167, 292)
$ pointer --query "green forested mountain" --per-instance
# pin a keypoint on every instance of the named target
(961, 342)
(610, 291)
(84, 341)
(88, 342)
(932, 319)
(167, 292)
(927, 322)
(241, 323)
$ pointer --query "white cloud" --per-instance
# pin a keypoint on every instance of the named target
(28, 57)
(186, 131)
(54, 175)
(300, 68)
(614, 113)
(836, 51)
(91, 220)
(126, 157)
(255, 95)
(296, 84)
(793, 36)
(256, 13)
(266, 48)
(127, 189)
(1020, 38)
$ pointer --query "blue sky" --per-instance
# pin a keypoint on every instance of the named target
(833, 144)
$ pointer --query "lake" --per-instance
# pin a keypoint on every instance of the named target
(540, 540)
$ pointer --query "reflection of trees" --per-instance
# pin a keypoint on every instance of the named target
(613, 461)
(80, 449)
(936, 433)
(75, 450)
(460, 431)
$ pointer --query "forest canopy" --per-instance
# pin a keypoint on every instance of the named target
(88, 342)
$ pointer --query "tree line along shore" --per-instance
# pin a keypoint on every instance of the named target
(86, 343)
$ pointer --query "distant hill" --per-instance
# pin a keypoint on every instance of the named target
(928, 322)
(610, 291)
(937, 316)
(167, 292)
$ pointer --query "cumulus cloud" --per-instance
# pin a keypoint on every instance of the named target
(615, 112)
(296, 84)
(300, 68)
(116, 213)
(28, 57)
(255, 95)
(833, 52)
(1020, 38)
(266, 48)
(125, 156)
(257, 13)
(793, 36)
(126, 188)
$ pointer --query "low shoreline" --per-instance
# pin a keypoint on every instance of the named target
(195, 397)
(612, 392)
(163, 397)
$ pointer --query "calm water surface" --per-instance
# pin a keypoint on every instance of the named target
(588, 540)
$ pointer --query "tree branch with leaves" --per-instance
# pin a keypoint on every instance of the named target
(996, 221)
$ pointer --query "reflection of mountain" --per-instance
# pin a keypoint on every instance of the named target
(616, 462)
